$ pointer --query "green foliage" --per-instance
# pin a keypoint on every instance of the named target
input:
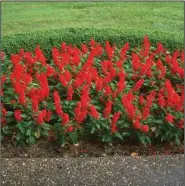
(77, 36)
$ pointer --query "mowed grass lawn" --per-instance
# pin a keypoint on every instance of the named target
(22, 17)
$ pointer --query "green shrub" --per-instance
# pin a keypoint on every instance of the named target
(76, 36)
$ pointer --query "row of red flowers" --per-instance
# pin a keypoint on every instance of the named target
(104, 90)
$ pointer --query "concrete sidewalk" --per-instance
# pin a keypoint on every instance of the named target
(105, 171)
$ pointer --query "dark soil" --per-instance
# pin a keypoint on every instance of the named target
(45, 149)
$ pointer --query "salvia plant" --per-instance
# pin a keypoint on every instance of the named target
(103, 91)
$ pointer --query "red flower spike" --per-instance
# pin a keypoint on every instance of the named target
(15, 58)
(136, 124)
(93, 112)
(115, 119)
(65, 119)
(108, 108)
(169, 118)
(57, 104)
(41, 116)
(141, 100)
(17, 115)
(145, 128)
(4, 112)
(138, 85)
(70, 93)
(48, 116)
(70, 129)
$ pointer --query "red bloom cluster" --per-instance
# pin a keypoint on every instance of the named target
(101, 82)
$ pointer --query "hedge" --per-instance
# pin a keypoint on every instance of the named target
(76, 36)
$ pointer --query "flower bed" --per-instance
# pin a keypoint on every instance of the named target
(105, 92)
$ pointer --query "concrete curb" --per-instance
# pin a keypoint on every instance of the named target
(105, 171)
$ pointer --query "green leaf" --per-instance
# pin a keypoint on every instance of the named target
(19, 136)
(118, 135)
(5, 130)
(30, 140)
(105, 125)
(126, 134)
(177, 140)
(98, 125)
(1, 137)
(20, 126)
(148, 139)
(9, 113)
(62, 139)
(46, 126)
(73, 136)
(28, 132)
(93, 130)
(142, 139)
(106, 138)
(24, 116)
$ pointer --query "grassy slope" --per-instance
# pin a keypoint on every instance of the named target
(33, 16)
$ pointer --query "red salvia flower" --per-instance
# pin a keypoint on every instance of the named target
(170, 92)
(40, 56)
(62, 80)
(169, 118)
(115, 119)
(108, 108)
(131, 111)
(35, 102)
(160, 48)
(57, 104)
(180, 71)
(123, 51)
(161, 68)
(41, 116)
(145, 112)
(4, 112)
(161, 100)
(17, 115)
(180, 125)
(109, 49)
(48, 116)
(84, 48)
(67, 76)
(3, 79)
(77, 83)
(44, 85)
(138, 85)
(22, 98)
(93, 112)
(150, 98)
(135, 62)
(70, 129)
(92, 43)
(70, 93)
(141, 100)
(15, 58)
(145, 128)
(108, 90)
(136, 124)
(146, 46)
(80, 113)
(3, 121)
(50, 71)
(65, 118)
